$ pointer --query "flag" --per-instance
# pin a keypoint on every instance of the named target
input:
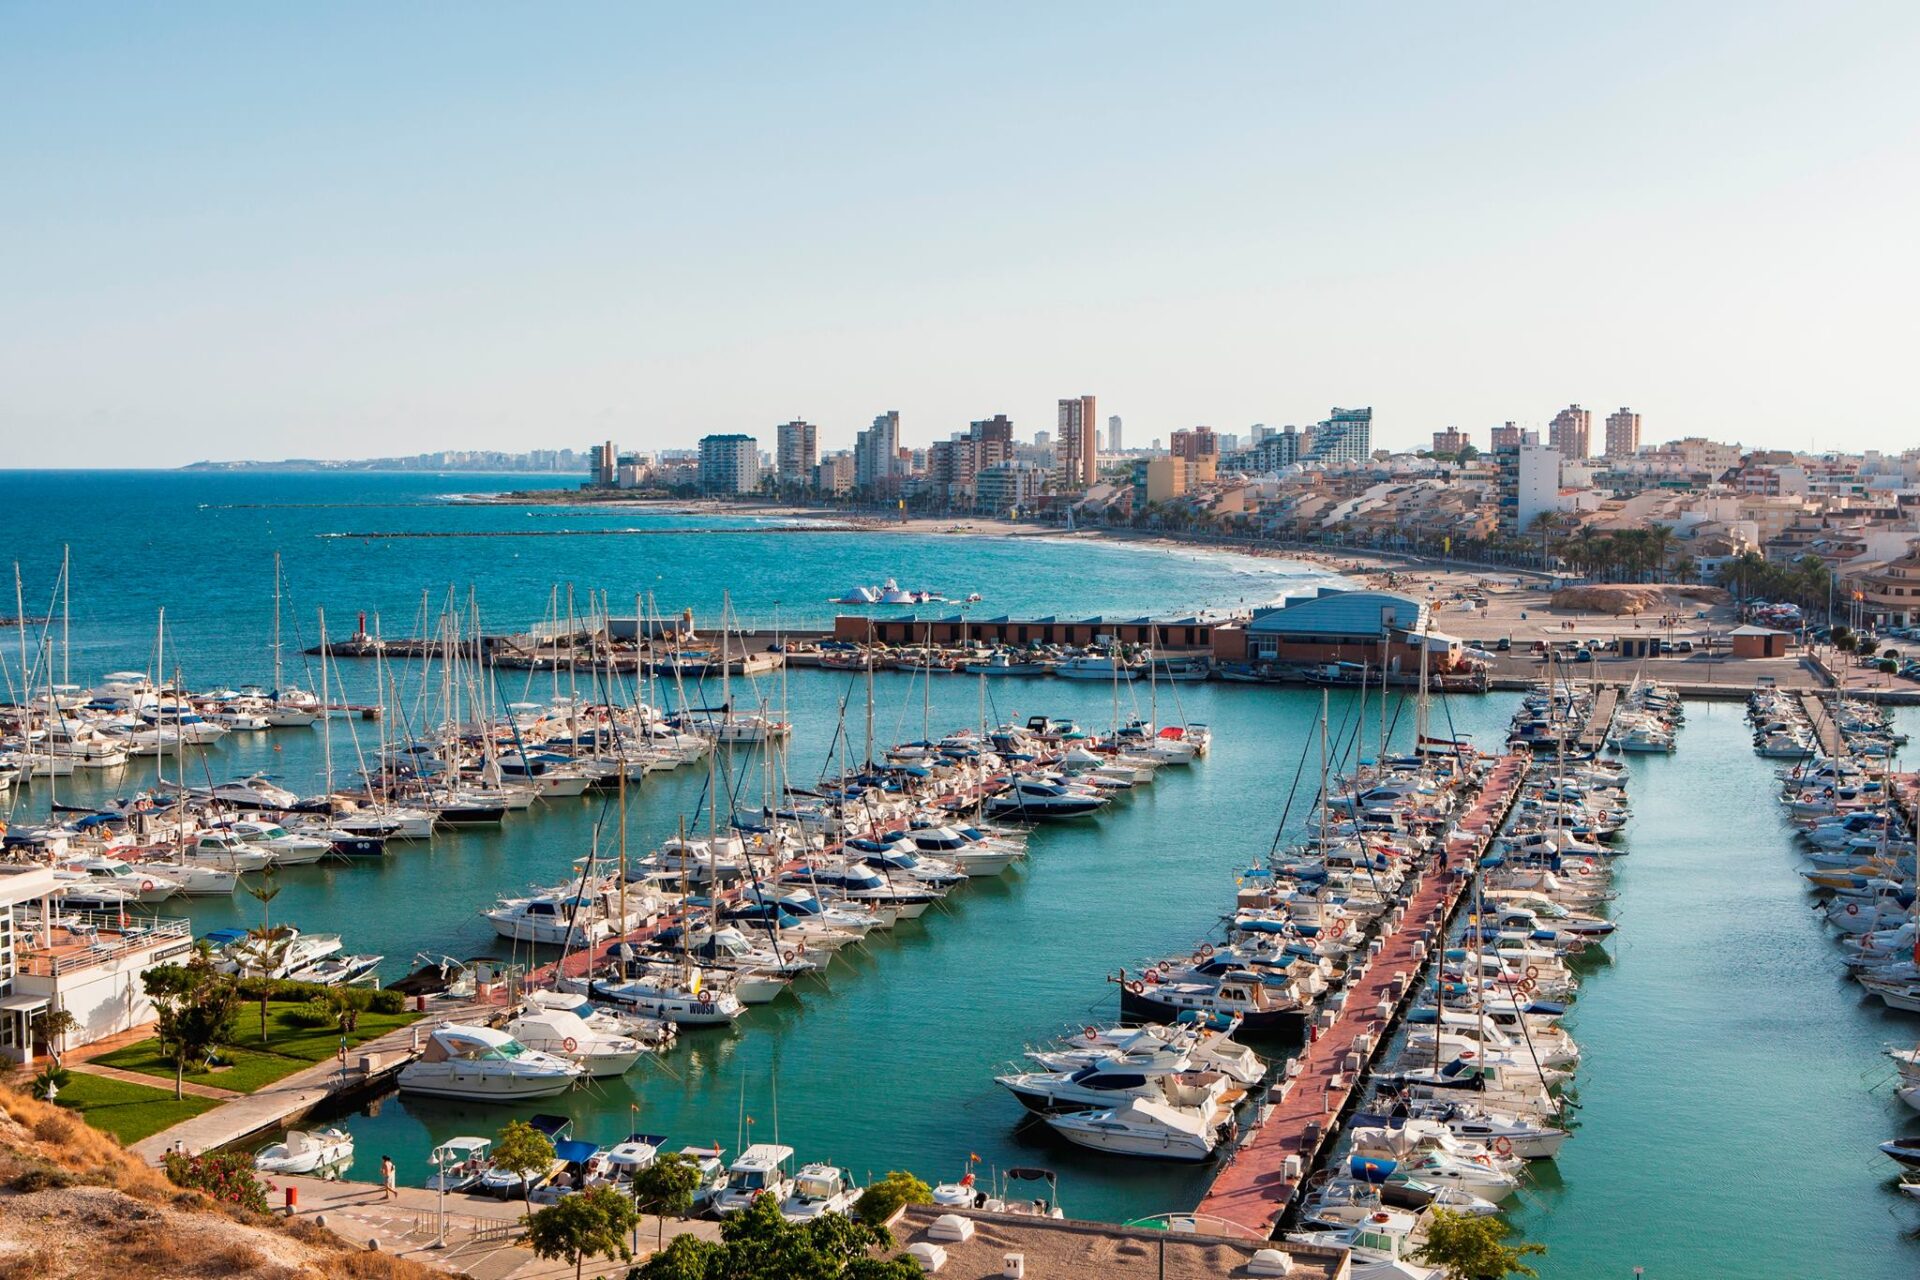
(973, 1157)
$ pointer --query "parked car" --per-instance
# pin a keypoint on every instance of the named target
(1503, 645)
(1683, 646)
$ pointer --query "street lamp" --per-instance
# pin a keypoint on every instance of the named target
(440, 1154)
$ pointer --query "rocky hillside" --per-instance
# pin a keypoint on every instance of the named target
(74, 1204)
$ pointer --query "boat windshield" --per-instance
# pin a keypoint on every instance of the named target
(748, 1180)
(511, 1049)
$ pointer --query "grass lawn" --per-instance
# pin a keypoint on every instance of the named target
(129, 1112)
(289, 1048)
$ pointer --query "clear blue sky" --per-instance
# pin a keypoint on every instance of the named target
(246, 230)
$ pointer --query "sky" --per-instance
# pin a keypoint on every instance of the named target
(262, 231)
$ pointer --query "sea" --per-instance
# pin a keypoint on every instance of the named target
(1733, 1086)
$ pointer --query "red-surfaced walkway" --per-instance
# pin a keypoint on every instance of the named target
(1257, 1186)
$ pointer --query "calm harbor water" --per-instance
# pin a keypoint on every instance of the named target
(1728, 1089)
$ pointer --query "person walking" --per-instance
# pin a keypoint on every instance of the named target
(389, 1191)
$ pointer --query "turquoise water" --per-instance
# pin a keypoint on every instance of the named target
(202, 544)
(1729, 1110)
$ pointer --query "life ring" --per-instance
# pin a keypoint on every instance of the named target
(1533, 972)
(570, 1045)
(1135, 987)
(706, 998)
(1206, 949)
(1853, 908)
(1338, 929)
(146, 886)
(1090, 1033)
(789, 955)
(1527, 986)
(1153, 976)
(1503, 1145)
(1465, 1054)
(1199, 959)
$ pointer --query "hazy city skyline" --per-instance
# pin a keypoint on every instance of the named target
(256, 233)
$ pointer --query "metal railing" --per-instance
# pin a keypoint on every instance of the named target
(94, 938)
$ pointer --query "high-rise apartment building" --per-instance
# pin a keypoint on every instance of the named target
(1571, 432)
(1194, 444)
(1346, 435)
(1077, 455)
(606, 464)
(876, 454)
(1623, 433)
(1113, 435)
(1452, 440)
(796, 450)
(729, 464)
(1528, 477)
(992, 440)
(1506, 436)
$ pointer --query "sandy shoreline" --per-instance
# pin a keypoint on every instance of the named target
(1475, 602)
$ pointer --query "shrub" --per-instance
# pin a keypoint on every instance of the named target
(384, 1001)
(880, 1201)
(314, 1013)
(226, 1176)
(40, 1177)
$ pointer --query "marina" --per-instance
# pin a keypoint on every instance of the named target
(790, 1058)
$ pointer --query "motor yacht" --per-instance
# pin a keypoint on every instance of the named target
(760, 1170)
(560, 1032)
(324, 1152)
(1141, 1127)
(818, 1189)
(480, 1064)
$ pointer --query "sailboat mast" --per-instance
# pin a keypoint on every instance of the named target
(276, 628)
(66, 614)
(326, 713)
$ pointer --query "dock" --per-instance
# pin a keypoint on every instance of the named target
(1832, 745)
(1257, 1189)
(1593, 734)
(368, 1067)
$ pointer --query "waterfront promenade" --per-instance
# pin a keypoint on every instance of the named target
(1257, 1189)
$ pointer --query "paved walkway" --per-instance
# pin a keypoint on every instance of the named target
(481, 1233)
(297, 1094)
(187, 1087)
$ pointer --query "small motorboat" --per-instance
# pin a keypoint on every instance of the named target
(325, 1152)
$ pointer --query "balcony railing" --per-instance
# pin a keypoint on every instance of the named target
(89, 939)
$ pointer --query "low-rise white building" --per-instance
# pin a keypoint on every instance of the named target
(87, 963)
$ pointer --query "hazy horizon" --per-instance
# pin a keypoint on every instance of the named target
(265, 233)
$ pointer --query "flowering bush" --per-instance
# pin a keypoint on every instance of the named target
(227, 1176)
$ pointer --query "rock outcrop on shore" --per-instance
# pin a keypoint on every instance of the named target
(74, 1203)
(1637, 598)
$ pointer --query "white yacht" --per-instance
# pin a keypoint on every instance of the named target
(480, 1064)
(145, 886)
(760, 1170)
(286, 848)
(325, 1152)
(664, 994)
(818, 1189)
(1140, 1128)
(559, 1032)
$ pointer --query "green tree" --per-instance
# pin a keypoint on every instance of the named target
(758, 1244)
(591, 1223)
(196, 1005)
(881, 1200)
(1468, 1248)
(665, 1188)
(49, 1025)
(524, 1150)
(687, 1258)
